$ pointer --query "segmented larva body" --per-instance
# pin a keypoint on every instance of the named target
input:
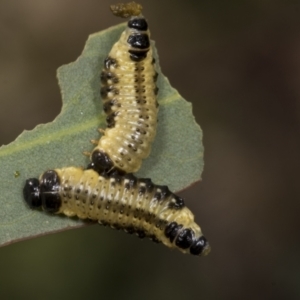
(129, 100)
(122, 202)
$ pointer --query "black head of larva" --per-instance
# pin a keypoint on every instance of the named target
(101, 161)
(138, 23)
(31, 193)
(50, 183)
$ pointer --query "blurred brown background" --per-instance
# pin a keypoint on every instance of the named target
(238, 62)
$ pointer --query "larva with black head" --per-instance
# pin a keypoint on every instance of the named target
(122, 202)
(129, 97)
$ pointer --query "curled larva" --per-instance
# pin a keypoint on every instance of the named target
(122, 202)
(129, 98)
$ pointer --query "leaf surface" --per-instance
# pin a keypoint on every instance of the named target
(176, 159)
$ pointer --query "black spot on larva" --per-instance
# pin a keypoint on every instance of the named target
(172, 230)
(176, 202)
(104, 223)
(108, 62)
(110, 119)
(139, 24)
(148, 184)
(139, 40)
(155, 76)
(136, 55)
(156, 90)
(50, 183)
(130, 181)
(129, 230)
(116, 226)
(157, 195)
(105, 76)
(107, 106)
(185, 238)
(165, 192)
(198, 246)
(154, 239)
(141, 233)
(105, 90)
(116, 176)
(31, 193)
(101, 161)
(142, 189)
(153, 61)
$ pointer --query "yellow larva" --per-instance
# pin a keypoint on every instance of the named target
(129, 98)
(122, 202)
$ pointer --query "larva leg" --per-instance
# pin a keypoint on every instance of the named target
(94, 142)
(102, 131)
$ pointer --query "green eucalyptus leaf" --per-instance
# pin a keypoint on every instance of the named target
(176, 159)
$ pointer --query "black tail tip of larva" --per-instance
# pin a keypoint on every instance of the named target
(126, 10)
(31, 193)
(200, 247)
